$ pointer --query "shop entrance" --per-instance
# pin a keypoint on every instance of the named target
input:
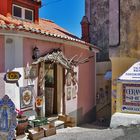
(53, 89)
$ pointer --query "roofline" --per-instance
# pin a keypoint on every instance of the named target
(49, 38)
(93, 47)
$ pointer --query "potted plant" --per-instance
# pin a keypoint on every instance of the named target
(22, 122)
(19, 113)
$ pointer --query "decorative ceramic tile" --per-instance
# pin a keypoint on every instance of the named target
(26, 97)
(8, 120)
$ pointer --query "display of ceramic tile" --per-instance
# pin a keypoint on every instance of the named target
(8, 120)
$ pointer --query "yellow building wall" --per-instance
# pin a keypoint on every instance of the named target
(128, 51)
(119, 66)
(119, 96)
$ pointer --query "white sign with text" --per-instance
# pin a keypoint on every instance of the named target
(132, 74)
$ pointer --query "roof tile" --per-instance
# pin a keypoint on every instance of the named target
(44, 27)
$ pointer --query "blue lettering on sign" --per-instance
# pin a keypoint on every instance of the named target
(132, 91)
(125, 108)
(136, 69)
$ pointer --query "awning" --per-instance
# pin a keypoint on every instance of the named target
(108, 75)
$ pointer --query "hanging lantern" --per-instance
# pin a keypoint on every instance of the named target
(36, 53)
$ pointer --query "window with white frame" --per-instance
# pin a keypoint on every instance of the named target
(23, 13)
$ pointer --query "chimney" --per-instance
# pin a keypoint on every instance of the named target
(85, 29)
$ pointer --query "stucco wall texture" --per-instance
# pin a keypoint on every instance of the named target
(99, 26)
(130, 28)
(114, 23)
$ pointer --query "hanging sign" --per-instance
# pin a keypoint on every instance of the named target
(12, 77)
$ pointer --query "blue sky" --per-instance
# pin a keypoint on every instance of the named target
(66, 13)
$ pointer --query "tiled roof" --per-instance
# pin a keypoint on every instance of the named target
(45, 27)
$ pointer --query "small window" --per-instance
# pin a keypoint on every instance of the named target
(28, 14)
(17, 11)
(23, 13)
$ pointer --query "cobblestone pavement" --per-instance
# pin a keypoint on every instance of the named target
(90, 132)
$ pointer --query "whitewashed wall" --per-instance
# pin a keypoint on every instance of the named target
(14, 61)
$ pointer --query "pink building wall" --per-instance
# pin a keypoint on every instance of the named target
(29, 44)
(86, 93)
(86, 101)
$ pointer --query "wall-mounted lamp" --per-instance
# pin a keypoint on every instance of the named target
(36, 53)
